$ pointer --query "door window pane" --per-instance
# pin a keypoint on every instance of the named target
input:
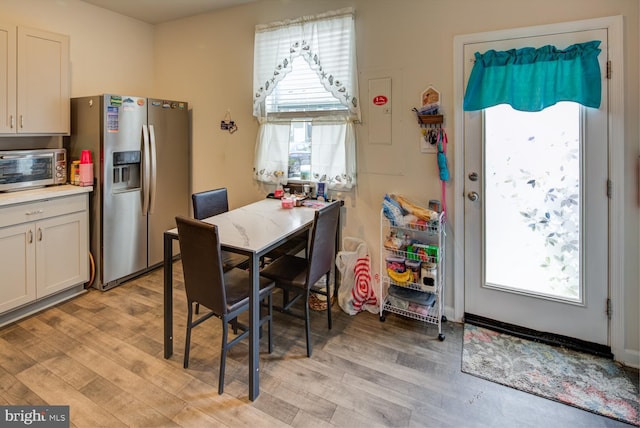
(532, 209)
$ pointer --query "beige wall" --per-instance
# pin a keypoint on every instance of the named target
(207, 61)
(408, 40)
(109, 53)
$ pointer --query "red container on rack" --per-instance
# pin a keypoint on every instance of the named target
(85, 157)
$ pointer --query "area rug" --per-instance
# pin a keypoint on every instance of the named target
(591, 383)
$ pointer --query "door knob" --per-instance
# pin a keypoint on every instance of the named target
(473, 196)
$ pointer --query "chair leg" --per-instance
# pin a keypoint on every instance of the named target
(270, 322)
(223, 356)
(187, 342)
(328, 301)
(285, 293)
(260, 318)
(197, 308)
(306, 324)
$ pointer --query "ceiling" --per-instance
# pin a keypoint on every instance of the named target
(159, 11)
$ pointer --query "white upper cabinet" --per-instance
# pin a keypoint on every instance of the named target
(34, 82)
(8, 82)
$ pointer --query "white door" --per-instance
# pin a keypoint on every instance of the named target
(535, 213)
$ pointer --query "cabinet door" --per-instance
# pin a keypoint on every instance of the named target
(7, 79)
(17, 266)
(62, 258)
(43, 82)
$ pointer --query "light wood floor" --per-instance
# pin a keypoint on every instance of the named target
(102, 355)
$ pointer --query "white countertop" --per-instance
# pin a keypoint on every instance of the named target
(22, 196)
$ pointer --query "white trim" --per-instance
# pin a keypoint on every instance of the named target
(616, 207)
(458, 177)
(347, 11)
(614, 25)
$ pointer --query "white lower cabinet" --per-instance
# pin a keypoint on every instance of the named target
(18, 255)
(49, 254)
(62, 258)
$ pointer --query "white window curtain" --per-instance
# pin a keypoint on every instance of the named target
(333, 153)
(327, 43)
(272, 152)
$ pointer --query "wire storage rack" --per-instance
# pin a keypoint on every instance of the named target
(412, 258)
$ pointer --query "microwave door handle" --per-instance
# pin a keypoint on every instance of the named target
(154, 169)
(146, 170)
(41, 156)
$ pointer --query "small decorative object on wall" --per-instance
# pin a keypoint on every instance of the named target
(429, 119)
(434, 136)
(430, 101)
(227, 124)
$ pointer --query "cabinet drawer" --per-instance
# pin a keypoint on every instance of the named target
(34, 211)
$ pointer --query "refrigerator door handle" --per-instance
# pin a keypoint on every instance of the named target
(154, 167)
(147, 170)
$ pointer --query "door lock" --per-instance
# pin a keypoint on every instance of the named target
(473, 176)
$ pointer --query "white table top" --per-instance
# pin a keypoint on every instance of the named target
(256, 226)
(30, 195)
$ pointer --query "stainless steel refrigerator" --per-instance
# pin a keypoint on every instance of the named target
(141, 157)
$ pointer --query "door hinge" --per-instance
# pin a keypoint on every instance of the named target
(609, 188)
(609, 70)
(609, 309)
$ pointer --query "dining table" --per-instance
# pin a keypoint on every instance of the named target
(252, 230)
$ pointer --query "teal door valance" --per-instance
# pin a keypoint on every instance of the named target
(531, 79)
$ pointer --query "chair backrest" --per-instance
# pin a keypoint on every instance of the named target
(210, 203)
(323, 242)
(202, 264)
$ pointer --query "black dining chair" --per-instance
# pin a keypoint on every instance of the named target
(207, 204)
(225, 294)
(299, 275)
(214, 202)
(292, 246)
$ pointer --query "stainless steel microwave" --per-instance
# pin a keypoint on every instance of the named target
(23, 169)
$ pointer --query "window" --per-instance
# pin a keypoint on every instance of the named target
(305, 98)
(299, 167)
(301, 91)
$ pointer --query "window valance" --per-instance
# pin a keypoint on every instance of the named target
(531, 79)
